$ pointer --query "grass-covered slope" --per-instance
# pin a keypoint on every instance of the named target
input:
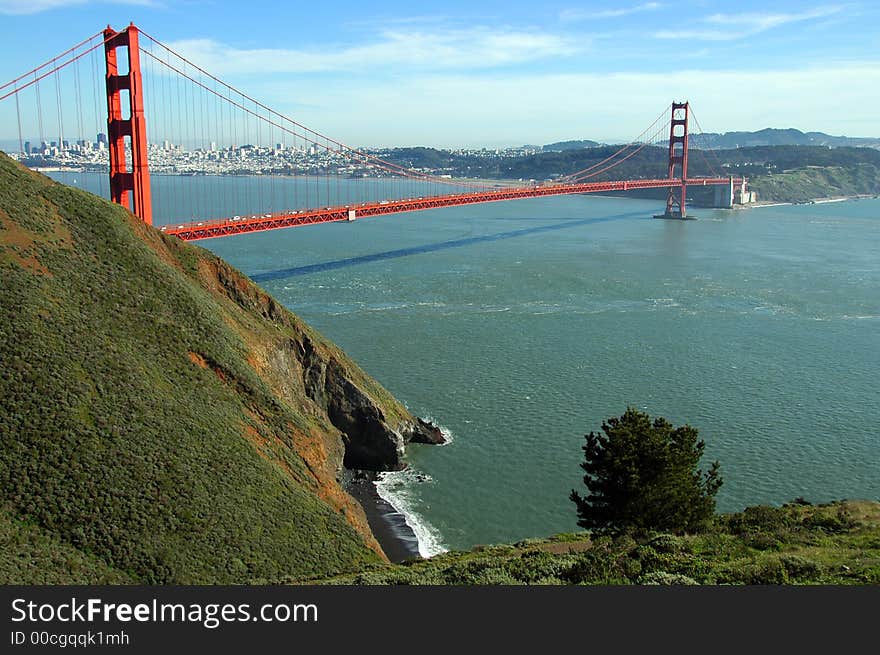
(161, 418)
(804, 184)
(836, 543)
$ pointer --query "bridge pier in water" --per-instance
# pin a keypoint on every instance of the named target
(676, 198)
(723, 196)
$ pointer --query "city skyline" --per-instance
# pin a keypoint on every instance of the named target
(503, 74)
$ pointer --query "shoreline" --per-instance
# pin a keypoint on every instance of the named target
(389, 527)
(822, 200)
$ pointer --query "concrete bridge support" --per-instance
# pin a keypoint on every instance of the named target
(723, 196)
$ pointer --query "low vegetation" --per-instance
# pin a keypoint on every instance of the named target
(836, 543)
(652, 521)
(805, 184)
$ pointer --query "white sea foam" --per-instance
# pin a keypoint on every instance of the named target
(448, 435)
(396, 488)
(663, 303)
(389, 307)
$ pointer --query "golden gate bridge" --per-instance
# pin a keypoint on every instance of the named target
(143, 77)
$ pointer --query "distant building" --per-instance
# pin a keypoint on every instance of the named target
(744, 197)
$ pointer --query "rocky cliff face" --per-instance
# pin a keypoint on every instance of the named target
(374, 427)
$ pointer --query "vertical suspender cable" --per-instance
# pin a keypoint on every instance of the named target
(242, 152)
(176, 148)
(60, 114)
(18, 118)
(298, 197)
(78, 94)
(187, 144)
(258, 164)
(39, 111)
(150, 106)
(206, 147)
(97, 124)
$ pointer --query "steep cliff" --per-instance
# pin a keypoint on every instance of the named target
(162, 419)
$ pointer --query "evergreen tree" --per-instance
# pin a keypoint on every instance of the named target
(642, 475)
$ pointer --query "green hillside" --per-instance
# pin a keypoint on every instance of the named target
(781, 173)
(804, 184)
(836, 543)
(163, 420)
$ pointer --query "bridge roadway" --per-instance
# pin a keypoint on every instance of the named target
(229, 226)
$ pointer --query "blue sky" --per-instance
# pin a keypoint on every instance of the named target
(503, 73)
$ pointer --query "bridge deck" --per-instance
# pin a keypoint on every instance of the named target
(230, 226)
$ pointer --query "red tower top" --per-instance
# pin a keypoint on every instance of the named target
(137, 181)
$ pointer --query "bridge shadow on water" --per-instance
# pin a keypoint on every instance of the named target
(434, 247)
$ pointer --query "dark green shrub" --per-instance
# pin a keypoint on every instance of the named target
(799, 568)
(642, 475)
(664, 578)
(668, 543)
(761, 517)
(838, 522)
(594, 567)
(767, 571)
(762, 541)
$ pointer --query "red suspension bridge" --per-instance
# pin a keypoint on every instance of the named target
(304, 171)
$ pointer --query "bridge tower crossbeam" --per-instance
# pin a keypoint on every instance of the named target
(137, 180)
(676, 203)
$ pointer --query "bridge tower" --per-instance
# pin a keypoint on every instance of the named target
(678, 155)
(137, 180)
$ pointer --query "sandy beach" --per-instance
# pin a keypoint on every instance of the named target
(387, 524)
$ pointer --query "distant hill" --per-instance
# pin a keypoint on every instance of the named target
(570, 145)
(782, 173)
(729, 140)
(779, 137)
(162, 419)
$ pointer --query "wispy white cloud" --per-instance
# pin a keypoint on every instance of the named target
(729, 27)
(491, 109)
(575, 15)
(463, 49)
(21, 7)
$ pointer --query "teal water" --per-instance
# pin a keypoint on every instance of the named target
(520, 326)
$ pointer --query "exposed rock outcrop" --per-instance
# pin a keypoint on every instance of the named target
(373, 426)
(371, 442)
